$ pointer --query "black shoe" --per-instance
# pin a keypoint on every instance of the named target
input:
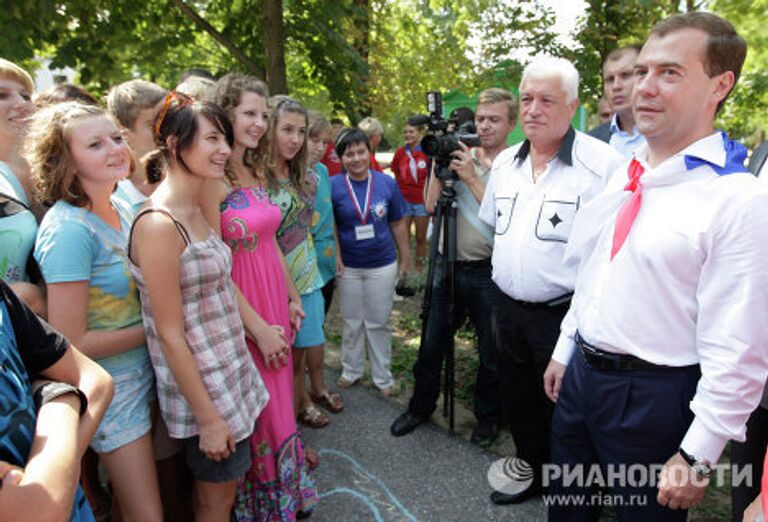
(405, 423)
(403, 290)
(503, 499)
(485, 433)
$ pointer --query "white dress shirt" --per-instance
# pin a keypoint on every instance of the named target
(533, 220)
(689, 285)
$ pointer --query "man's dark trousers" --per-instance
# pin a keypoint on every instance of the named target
(526, 335)
(619, 417)
(472, 296)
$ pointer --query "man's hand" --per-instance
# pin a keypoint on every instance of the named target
(680, 487)
(553, 379)
(463, 165)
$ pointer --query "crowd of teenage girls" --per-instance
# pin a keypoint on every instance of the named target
(190, 244)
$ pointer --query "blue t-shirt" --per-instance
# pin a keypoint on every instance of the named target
(18, 227)
(42, 347)
(322, 225)
(386, 206)
(74, 244)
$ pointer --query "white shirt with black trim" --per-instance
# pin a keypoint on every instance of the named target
(688, 286)
(533, 220)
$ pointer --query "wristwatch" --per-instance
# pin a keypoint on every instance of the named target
(702, 468)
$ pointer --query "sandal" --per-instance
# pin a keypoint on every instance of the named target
(329, 400)
(345, 384)
(313, 417)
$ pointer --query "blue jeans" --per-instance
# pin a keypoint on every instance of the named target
(472, 296)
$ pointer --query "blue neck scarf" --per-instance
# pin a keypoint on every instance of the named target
(735, 154)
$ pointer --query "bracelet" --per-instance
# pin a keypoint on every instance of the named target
(50, 390)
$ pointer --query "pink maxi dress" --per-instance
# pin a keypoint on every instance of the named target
(278, 484)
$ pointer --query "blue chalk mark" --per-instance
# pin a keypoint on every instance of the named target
(375, 479)
(359, 496)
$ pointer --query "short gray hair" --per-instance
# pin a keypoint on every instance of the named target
(548, 67)
(371, 126)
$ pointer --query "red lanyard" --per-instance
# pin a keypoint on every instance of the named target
(363, 215)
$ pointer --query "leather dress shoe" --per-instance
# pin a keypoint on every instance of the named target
(485, 433)
(405, 423)
(504, 499)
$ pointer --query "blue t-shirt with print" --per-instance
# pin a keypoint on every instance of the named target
(386, 206)
(41, 348)
(74, 244)
(18, 227)
(322, 225)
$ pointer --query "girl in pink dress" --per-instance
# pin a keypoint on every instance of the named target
(277, 487)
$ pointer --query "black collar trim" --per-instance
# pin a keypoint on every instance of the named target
(565, 152)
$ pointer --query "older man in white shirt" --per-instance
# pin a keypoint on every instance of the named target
(665, 342)
(534, 192)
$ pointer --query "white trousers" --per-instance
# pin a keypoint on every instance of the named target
(365, 300)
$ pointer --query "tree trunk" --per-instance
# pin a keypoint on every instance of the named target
(362, 23)
(274, 45)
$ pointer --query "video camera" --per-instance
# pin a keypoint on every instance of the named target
(446, 135)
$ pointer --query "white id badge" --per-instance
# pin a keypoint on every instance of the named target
(364, 232)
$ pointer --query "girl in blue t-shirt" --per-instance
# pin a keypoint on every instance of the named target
(77, 154)
(369, 211)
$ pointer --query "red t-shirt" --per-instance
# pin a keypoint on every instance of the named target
(332, 161)
(411, 187)
(375, 164)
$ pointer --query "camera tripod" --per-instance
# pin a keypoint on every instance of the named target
(445, 224)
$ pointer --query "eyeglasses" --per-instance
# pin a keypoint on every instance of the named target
(180, 97)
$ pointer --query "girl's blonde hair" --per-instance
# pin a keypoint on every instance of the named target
(11, 71)
(47, 150)
(297, 167)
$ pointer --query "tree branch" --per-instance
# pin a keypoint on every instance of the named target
(190, 13)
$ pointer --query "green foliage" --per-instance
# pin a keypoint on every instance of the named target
(606, 25)
(746, 111)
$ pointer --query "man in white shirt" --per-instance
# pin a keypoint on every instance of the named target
(620, 131)
(534, 192)
(665, 342)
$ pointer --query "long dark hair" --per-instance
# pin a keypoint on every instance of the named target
(178, 118)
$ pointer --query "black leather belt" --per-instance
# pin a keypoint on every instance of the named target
(602, 360)
(563, 300)
(480, 263)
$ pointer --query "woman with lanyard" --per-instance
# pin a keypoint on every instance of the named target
(369, 211)
(411, 168)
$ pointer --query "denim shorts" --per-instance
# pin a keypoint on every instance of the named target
(311, 333)
(207, 470)
(415, 209)
(128, 416)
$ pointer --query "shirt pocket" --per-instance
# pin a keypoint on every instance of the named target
(504, 207)
(556, 219)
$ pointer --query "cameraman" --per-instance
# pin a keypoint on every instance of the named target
(495, 119)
